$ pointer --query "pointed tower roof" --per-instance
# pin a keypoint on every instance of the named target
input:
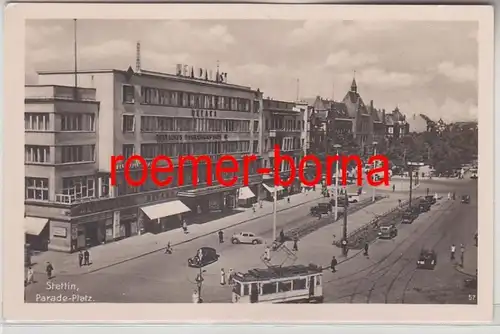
(354, 86)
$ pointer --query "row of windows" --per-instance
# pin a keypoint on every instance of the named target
(161, 124)
(280, 123)
(150, 151)
(285, 166)
(65, 122)
(76, 187)
(271, 288)
(286, 143)
(68, 154)
(157, 96)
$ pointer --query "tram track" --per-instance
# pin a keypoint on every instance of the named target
(375, 267)
(438, 224)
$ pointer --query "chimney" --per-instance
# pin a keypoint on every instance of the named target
(383, 115)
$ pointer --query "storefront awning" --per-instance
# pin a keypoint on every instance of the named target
(34, 225)
(165, 209)
(273, 189)
(245, 193)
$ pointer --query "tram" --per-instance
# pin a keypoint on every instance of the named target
(276, 284)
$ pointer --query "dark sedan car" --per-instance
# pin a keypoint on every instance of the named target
(204, 256)
(465, 199)
(427, 260)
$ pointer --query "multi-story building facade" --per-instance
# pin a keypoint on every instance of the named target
(149, 114)
(353, 124)
(61, 165)
(284, 126)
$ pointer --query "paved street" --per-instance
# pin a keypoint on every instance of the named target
(158, 277)
(389, 274)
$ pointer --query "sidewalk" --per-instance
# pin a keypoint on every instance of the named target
(318, 247)
(138, 246)
(470, 262)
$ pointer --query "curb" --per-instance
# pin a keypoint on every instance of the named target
(461, 271)
(191, 239)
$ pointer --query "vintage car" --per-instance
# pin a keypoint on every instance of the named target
(465, 199)
(246, 238)
(387, 232)
(431, 199)
(208, 255)
(408, 217)
(427, 259)
(321, 209)
(424, 205)
(341, 202)
(473, 176)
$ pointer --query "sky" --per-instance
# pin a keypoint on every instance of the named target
(418, 66)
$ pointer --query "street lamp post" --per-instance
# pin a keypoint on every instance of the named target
(374, 153)
(410, 168)
(275, 199)
(199, 282)
(337, 147)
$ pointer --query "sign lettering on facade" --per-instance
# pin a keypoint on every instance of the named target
(59, 232)
(183, 70)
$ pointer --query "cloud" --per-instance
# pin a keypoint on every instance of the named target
(456, 73)
(350, 60)
(385, 79)
(308, 32)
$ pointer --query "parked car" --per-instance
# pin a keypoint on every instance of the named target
(465, 199)
(424, 206)
(341, 202)
(353, 198)
(387, 232)
(321, 209)
(408, 217)
(246, 238)
(427, 259)
(473, 176)
(431, 199)
(208, 255)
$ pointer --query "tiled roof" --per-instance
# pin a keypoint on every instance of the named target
(340, 110)
(389, 120)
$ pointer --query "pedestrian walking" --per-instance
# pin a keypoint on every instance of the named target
(295, 245)
(168, 249)
(261, 203)
(86, 258)
(80, 258)
(49, 269)
(200, 255)
(196, 297)
(462, 248)
(30, 275)
(333, 264)
(185, 226)
(288, 199)
(282, 236)
(393, 188)
(452, 252)
(253, 208)
(366, 249)
(427, 191)
(222, 277)
(449, 196)
(267, 254)
(436, 197)
(399, 202)
(462, 260)
(221, 236)
(230, 275)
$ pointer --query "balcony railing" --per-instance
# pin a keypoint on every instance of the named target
(73, 199)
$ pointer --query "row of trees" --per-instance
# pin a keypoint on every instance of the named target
(444, 146)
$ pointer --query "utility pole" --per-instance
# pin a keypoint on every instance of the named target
(373, 166)
(337, 146)
(344, 230)
(410, 167)
(275, 199)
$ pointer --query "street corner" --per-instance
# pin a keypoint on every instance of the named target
(465, 271)
(56, 292)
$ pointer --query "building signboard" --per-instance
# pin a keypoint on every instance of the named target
(187, 71)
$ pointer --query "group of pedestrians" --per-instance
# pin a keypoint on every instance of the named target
(453, 251)
(84, 258)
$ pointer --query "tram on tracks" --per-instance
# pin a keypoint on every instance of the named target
(276, 284)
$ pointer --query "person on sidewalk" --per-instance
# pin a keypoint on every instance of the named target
(49, 269)
(282, 236)
(452, 252)
(333, 264)
(185, 226)
(195, 297)
(462, 260)
(221, 236)
(80, 258)
(267, 254)
(168, 249)
(230, 276)
(222, 277)
(393, 188)
(30, 275)
(449, 196)
(253, 208)
(295, 245)
(366, 249)
(86, 258)
(288, 199)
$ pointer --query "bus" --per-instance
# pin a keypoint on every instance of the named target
(276, 284)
